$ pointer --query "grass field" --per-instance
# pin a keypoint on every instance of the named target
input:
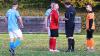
(37, 45)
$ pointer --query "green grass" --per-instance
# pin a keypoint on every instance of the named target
(37, 45)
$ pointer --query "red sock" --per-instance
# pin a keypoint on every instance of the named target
(54, 43)
(51, 43)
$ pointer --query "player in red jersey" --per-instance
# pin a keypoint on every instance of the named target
(54, 15)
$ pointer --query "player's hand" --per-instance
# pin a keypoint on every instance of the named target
(65, 19)
(22, 26)
(60, 19)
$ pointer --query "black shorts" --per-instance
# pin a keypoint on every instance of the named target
(90, 34)
(54, 32)
(69, 30)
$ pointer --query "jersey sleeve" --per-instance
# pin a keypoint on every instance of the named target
(47, 12)
(17, 14)
(65, 15)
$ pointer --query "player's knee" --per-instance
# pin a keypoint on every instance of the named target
(21, 38)
(11, 39)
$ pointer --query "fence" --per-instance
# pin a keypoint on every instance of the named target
(36, 24)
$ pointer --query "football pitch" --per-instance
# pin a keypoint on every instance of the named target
(37, 45)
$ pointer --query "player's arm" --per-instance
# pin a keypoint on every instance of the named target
(21, 21)
(70, 15)
(21, 25)
(6, 20)
(46, 17)
(66, 17)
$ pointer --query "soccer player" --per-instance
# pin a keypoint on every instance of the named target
(69, 25)
(12, 16)
(47, 21)
(54, 24)
(90, 27)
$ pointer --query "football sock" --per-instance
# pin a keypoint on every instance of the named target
(88, 42)
(51, 43)
(54, 43)
(17, 43)
(12, 45)
(73, 43)
(69, 44)
(91, 43)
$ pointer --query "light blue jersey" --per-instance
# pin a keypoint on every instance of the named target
(48, 12)
(12, 16)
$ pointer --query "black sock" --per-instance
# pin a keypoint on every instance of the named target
(69, 44)
(72, 44)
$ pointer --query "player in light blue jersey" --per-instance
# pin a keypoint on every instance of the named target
(47, 20)
(12, 17)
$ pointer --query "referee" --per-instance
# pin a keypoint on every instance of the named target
(69, 25)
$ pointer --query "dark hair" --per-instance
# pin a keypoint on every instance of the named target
(88, 4)
(14, 3)
(68, 3)
(53, 2)
(49, 7)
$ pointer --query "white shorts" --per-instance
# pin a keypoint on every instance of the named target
(15, 34)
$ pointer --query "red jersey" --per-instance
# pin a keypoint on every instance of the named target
(54, 19)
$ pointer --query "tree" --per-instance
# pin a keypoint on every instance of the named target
(80, 3)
